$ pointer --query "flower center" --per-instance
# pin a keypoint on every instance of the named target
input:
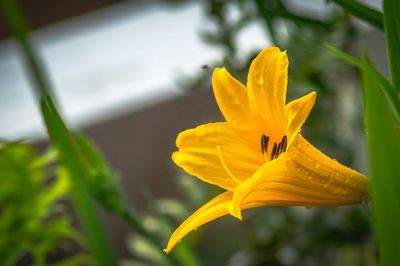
(277, 148)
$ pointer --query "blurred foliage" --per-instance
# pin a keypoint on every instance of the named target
(164, 214)
(32, 207)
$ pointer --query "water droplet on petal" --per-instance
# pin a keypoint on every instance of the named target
(180, 241)
(259, 77)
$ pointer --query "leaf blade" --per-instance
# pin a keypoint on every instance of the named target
(392, 33)
(384, 151)
(363, 12)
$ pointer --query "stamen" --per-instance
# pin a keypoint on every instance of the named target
(273, 153)
(226, 167)
(264, 144)
(284, 143)
(278, 150)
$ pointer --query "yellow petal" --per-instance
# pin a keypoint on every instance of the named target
(297, 112)
(216, 154)
(269, 172)
(267, 82)
(303, 176)
(326, 174)
(212, 210)
(231, 97)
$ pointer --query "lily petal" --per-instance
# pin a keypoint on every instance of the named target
(216, 154)
(297, 112)
(303, 176)
(267, 173)
(212, 210)
(218, 207)
(348, 185)
(267, 82)
(231, 97)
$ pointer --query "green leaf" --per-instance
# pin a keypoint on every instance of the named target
(78, 168)
(363, 12)
(30, 200)
(392, 31)
(384, 153)
(102, 180)
(379, 80)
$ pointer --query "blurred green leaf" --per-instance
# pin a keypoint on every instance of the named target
(62, 139)
(379, 80)
(392, 31)
(102, 180)
(78, 260)
(78, 168)
(19, 27)
(30, 221)
(363, 12)
(384, 153)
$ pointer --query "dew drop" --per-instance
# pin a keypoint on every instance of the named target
(195, 229)
(259, 77)
(165, 250)
(180, 241)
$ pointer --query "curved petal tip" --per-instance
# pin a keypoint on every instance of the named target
(234, 210)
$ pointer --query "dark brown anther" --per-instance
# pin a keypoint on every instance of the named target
(284, 143)
(279, 149)
(264, 144)
(273, 152)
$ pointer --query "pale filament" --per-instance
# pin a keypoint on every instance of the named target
(221, 159)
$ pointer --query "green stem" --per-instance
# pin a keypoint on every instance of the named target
(392, 33)
(78, 170)
(19, 28)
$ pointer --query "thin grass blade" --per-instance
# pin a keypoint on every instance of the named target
(392, 31)
(392, 96)
(363, 12)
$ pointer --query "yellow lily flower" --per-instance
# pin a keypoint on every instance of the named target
(258, 155)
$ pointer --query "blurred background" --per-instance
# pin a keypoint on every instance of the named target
(133, 74)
